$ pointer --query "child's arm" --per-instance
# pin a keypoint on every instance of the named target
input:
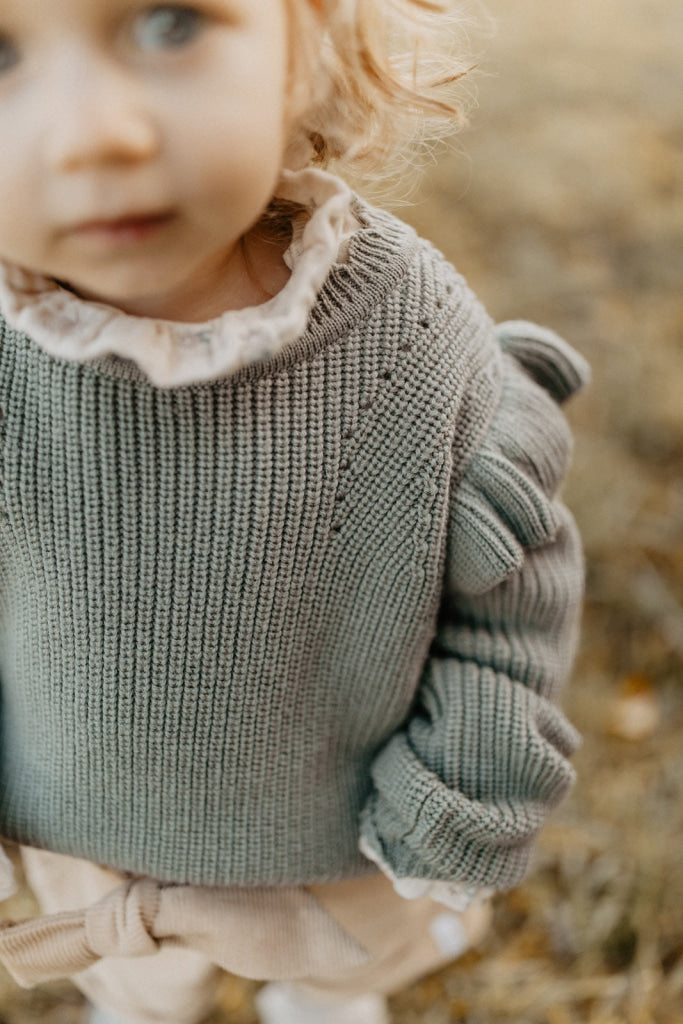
(462, 790)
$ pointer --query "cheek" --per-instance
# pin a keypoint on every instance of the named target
(237, 188)
(20, 234)
(236, 149)
(22, 184)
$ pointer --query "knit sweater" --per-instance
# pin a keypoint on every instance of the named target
(334, 591)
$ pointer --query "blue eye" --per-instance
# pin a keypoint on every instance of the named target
(167, 27)
(9, 55)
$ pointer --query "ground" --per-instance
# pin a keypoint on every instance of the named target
(563, 203)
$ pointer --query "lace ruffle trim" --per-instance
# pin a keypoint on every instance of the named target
(174, 354)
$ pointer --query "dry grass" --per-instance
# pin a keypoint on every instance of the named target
(567, 207)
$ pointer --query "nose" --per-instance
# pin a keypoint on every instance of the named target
(99, 117)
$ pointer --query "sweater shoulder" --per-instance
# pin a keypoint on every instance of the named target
(431, 323)
(427, 282)
(427, 302)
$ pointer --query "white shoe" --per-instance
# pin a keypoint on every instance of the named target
(96, 1015)
(284, 1004)
(454, 933)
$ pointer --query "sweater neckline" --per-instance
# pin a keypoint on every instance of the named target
(324, 297)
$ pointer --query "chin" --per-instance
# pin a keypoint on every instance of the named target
(125, 294)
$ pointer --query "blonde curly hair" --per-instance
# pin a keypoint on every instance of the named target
(371, 82)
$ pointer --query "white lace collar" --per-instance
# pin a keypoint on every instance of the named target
(173, 354)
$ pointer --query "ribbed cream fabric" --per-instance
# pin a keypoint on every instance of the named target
(155, 963)
(283, 932)
(235, 615)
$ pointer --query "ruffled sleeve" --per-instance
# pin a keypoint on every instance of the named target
(462, 789)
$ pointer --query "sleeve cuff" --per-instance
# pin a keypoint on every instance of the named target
(456, 896)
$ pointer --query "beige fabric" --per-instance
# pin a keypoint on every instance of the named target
(406, 939)
(173, 987)
(388, 941)
(284, 932)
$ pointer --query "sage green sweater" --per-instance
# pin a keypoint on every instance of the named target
(241, 621)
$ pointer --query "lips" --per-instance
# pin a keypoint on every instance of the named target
(126, 229)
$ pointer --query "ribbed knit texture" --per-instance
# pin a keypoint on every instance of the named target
(217, 602)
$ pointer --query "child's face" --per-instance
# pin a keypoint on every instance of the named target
(140, 140)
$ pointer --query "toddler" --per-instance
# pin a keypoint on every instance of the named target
(286, 590)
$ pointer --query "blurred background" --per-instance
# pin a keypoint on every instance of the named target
(563, 203)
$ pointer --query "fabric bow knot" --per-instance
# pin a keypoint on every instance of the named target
(268, 932)
(121, 924)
